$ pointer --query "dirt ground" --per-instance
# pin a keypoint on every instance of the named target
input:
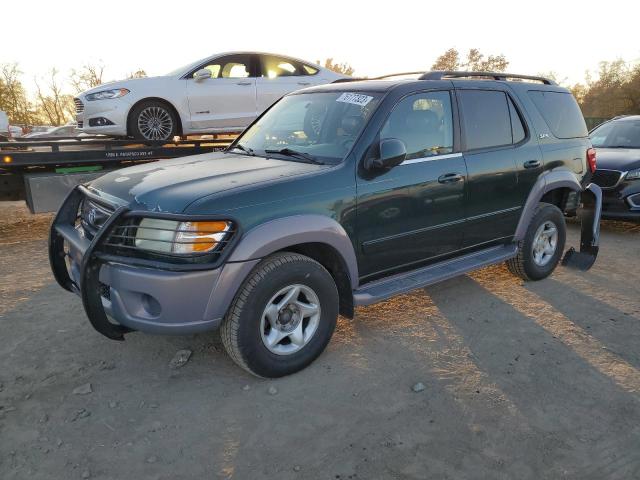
(523, 381)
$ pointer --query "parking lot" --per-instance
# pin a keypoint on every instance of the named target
(536, 380)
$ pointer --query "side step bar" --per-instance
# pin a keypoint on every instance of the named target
(380, 290)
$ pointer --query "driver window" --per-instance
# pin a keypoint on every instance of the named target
(424, 122)
(236, 66)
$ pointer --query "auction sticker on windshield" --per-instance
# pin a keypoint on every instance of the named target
(355, 98)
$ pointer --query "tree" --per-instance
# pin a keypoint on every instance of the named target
(615, 92)
(343, 68)
(449, 60)
(53, 104)
(140, 73)
(88, 76)
(475, 61)
(13, 98)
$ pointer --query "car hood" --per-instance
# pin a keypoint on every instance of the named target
(171, 185)
(618, 158)
(129, 84)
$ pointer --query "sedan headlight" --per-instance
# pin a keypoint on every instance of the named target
(106, 94)
(169, 236)
(633, 174)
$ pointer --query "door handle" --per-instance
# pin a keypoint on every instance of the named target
(304, 83)
(532, 164)
(243, 83)
(450, 178)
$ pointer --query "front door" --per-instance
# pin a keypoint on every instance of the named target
(227, 99)
(415, 211)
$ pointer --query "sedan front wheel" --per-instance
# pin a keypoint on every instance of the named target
(153, 121)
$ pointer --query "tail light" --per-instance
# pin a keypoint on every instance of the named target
(591, 159)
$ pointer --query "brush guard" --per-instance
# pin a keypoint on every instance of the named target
(589, 215)
(88, 287)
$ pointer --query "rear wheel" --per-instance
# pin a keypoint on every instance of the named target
(153, 120)
(283, 316)
(540, 250)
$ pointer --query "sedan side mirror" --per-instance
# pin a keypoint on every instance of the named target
(392, 153)
(202, 74)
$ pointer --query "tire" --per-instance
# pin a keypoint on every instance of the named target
(529, 264)
(153, 120)
(248, 327)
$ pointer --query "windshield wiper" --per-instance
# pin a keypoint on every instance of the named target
(239, 146)
(618, 146)
(288, 152)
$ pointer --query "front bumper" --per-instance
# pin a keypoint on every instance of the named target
(116, 110)
(622, 202)
(119, 297)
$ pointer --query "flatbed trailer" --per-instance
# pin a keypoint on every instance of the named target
(42, 170)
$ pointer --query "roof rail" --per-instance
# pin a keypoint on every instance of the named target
(441, 74)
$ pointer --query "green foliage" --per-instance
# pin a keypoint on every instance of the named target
(475, 61)
(343, 68)
(615, 92)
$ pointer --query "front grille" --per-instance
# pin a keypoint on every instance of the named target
(606, 178)
(93, 215)
(80, 124)
(79, 105)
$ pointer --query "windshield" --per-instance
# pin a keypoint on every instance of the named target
(322, 126)
(184, 68)
(619, 134)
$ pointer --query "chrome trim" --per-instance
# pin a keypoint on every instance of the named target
(632, 202)
(432, 158)
(620, 178)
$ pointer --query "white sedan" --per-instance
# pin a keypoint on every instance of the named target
(222, 93)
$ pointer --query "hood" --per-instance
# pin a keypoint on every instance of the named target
(129, 84)
(618, 158)
(171, 185)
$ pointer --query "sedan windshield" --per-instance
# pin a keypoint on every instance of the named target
(617, 134)
(316, 127)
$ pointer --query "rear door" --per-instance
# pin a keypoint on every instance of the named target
(494, 146)
(280, 75)
(228, 98)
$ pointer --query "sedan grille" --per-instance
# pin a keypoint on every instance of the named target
(606, 178)
(79, 105)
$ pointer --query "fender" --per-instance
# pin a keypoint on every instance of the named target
(284, 232)
(546, 182)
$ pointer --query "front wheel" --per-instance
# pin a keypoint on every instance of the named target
(153, 120)
(283, 316)
(540, 250)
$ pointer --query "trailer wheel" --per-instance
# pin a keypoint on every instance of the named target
(153, 120)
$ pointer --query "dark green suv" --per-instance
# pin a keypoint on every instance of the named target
(337, 196)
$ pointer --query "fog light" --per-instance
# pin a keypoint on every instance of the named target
(151, 305)
(99, 122)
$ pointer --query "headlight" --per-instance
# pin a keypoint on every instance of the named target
(633, 174)
(106, 94)
(168, 236)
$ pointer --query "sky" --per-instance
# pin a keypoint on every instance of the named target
(376, 38)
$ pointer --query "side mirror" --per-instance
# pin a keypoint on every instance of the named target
(392, 153)
(202, 74)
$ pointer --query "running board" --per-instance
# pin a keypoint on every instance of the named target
(385, 288)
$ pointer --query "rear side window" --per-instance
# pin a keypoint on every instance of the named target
(561, 113)
(486, 118)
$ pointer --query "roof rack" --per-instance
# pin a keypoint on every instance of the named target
(442, 74)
